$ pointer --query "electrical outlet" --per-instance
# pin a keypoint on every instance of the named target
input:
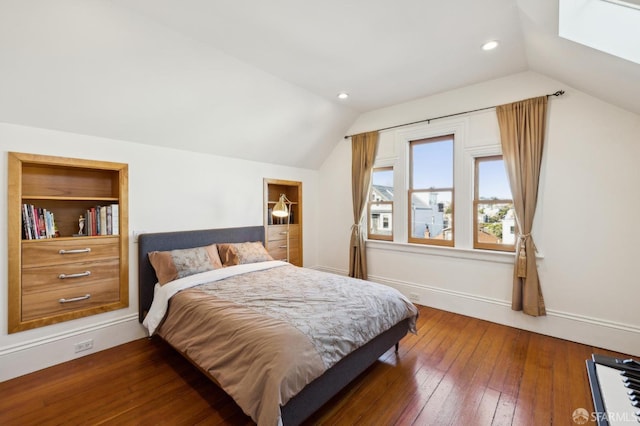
(414, 297)
(84, 345)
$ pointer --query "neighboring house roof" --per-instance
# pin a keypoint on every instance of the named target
(485, 237)
(384, 192)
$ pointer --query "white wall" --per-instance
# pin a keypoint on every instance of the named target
(168, 190)
(585, 228)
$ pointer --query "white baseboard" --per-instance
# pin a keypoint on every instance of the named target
(34, 355)
(591, 331)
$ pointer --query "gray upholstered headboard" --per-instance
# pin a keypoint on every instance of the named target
(164, 241)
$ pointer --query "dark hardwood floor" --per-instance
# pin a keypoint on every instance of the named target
(456, 371)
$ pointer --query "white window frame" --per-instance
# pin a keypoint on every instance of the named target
(403, 138)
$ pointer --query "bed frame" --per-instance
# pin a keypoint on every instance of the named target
(316, 393)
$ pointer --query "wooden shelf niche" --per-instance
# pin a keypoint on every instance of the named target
(65, 276)
(276, 228)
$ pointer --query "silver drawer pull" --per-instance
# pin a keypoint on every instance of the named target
(78, 275)
(75, 299)
(76, 251)
(282, 246)
(284, 232)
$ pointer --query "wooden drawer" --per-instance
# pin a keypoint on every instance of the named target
(279, 232)
(278, 250)
(278, 253)
(42, 304)
(282, 245)
(277, 243)
(71, 275)
(56, 252)
(281, 254)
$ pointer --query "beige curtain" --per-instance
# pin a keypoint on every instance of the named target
(363, 154)
(522, 129)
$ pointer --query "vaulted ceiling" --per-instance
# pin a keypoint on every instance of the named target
(258, 79)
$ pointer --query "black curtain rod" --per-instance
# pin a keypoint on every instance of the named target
(428, 120)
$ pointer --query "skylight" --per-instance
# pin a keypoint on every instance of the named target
(634, 4)
(611, 26)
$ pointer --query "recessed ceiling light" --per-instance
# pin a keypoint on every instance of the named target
(490, 45)
(343, 95)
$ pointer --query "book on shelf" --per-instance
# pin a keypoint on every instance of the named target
(109, 221)
(102, 220)
(115, 219)
(37, 223)
(27, 226)
(92, 229)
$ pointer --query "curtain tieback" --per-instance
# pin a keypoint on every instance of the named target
(522, 254)
(355, 231)
(525, 237)
(356, 227)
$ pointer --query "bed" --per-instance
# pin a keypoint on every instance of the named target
(317, 386)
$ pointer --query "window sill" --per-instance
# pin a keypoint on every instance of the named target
(455, 252)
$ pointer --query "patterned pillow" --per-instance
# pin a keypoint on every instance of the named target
(241, 253)
(174, 264)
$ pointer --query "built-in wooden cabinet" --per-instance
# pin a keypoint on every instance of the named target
(280, 232)
(62, 275)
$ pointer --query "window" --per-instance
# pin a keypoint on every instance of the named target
(608, 26)
(380, 206)
(431, 191)
(634, 4)
(494, 224)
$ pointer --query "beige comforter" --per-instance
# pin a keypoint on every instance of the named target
(264, 335)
